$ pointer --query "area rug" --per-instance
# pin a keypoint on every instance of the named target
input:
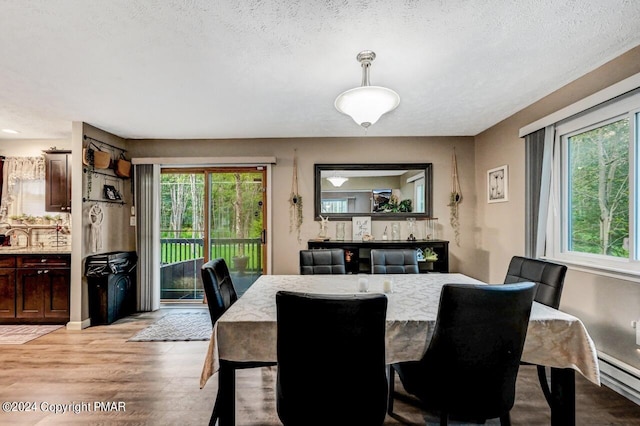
(19, 334)
(176, 328)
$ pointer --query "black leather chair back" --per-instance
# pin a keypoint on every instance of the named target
(548, 276)
(331, 359)
(469, 369)
(394, 261)
(323, 261)
(218, 287)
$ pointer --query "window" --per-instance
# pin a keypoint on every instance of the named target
(598, 189)
(595, 165)
(337, 205)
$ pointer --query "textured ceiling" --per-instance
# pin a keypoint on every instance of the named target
(272, 68)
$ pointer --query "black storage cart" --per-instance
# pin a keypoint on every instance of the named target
(112, 285)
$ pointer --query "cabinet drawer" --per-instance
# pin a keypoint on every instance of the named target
(39, 261)
(7, 261)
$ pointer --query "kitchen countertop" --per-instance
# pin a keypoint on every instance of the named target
(35, 250)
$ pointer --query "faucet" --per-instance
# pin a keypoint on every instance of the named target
(26, 232)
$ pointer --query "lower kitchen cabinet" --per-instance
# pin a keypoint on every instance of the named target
(42, 293)
(7, 293)
(41, 289)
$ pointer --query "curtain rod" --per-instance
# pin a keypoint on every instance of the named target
(104, 143)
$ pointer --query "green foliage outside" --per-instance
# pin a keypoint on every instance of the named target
(235, 212)
(171, 254)
(599, 190)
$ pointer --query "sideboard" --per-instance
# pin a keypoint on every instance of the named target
(432, 257)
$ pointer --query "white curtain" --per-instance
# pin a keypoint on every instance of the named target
(147, 199)
(23, 180)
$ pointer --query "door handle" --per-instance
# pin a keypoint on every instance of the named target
(263, 236)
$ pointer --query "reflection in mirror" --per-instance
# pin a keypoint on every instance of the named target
(383, 191)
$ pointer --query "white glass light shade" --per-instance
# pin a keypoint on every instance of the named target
(337, 180)
(367, 104)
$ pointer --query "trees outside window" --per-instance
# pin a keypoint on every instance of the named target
(595, 219)
(599, 190)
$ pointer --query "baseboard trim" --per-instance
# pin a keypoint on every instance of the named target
(79, 325)
(620, 377)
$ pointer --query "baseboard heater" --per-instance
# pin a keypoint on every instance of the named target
(619, 376)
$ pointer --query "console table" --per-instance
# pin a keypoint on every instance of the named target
(358, 253)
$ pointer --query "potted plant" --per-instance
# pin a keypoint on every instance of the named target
(48, 219)
(240, 263)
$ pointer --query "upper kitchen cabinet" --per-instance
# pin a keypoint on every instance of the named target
(58, 181)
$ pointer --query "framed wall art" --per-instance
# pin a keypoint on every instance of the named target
(498, 184)
(361, 226)
(111, 193)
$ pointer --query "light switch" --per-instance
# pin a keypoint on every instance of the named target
(132, 221)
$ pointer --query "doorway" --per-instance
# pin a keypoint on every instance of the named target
(209, 213)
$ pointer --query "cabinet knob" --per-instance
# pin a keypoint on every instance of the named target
(46, 271)
(43, 260)
(39, 272)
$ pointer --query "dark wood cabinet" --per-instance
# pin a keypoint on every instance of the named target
(434, 257)
(7, 293)
(58, 181)
(36, 289)
(30, 294)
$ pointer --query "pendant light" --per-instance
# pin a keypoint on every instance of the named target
(337, 181)
(366, 104)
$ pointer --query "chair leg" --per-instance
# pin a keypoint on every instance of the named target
(505, 420)
(214, 414)
(544, 383)
(391, 386)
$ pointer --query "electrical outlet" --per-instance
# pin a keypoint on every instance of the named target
(132, 221)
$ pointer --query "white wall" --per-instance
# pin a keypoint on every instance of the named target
(31, 147)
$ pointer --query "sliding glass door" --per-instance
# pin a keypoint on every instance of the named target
(209, 213)
(237, 209)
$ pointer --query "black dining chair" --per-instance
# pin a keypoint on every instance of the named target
(549, 278)
(323, 261)
(221, 294)
(470, 367)
(218, 288)
(394, 261)
(331, 359)
(547, 275)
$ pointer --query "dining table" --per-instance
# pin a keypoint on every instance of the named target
(247, 332)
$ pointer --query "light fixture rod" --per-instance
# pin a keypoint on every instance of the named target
(365, 58)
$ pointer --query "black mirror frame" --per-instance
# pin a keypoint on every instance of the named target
(428, 175)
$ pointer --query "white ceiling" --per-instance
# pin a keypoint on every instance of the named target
(272, 68)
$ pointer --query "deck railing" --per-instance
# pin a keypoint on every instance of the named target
(174, 250)
(182, 259)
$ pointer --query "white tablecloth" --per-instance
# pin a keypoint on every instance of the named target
(247, 331)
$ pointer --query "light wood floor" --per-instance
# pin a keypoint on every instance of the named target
(159, 384)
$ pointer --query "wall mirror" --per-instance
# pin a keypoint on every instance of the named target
(382, 191)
